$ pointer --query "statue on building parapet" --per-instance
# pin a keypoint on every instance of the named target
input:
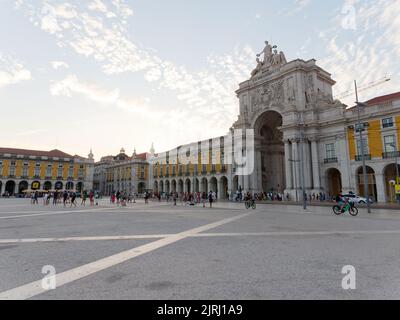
(258, 68)
(271, 58)
(267, 52)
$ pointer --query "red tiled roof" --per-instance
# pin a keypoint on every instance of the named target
(383, 99)
(142, 156)
(52, 153)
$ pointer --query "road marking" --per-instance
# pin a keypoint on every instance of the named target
(35, 288)
(199, 235)
(47, 213)
(296, 233)
(99, 238)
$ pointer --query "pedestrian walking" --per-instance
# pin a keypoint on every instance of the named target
(210, 198)
(73, 199)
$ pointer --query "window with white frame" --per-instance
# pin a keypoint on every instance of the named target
(390, 143)
(25, 169)
(37, 169)
(80, 171)
(387, 122)
(12, 168)
(60, 170)
(71, 171)
(366, 149)
(330, 150)
(49, 169)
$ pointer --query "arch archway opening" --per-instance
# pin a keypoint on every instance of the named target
(23, 185)
(180, 186)
(188, 186)
(270, 153)
(47, 186)
(141, 187)
(69, 185)
(204, 185)
(223, 188)
(58, 185)
(10, 187)
(371, 181)
(213, 185)
(334, 182)
(390, 174)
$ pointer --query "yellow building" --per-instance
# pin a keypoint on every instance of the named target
(22, 169)
(380, 133)
(122, 173)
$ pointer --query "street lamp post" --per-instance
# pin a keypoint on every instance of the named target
(365, 176)
(397, 168)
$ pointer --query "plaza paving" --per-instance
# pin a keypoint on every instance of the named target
(158, 251)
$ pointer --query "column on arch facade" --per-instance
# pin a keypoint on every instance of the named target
(253, 176)
(315, 164)
(381, 187)
(230, 186)
(193, 185)
(246, 182)
(308, 174)
(288, 166)
(295, 163)
(348, 177)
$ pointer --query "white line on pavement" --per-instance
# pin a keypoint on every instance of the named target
(47, 213)
(99, 238)
(295, 233)
(35, 288)
(199, 235)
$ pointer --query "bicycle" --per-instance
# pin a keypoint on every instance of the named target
(349, 207)
(250, 204)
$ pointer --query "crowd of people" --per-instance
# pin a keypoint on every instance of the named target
(66, 197)
(274, 196)
(122, 198)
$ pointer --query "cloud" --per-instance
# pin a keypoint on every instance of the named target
(59, 64)
(298, 5)
(207, 94)
(12, 71)
(371, 53)
(302, 3)
(72, 85)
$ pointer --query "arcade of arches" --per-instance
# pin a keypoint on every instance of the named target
(12, 187)
(375, 181)
(219, 185)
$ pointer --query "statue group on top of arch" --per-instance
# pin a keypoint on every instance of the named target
(271, 58)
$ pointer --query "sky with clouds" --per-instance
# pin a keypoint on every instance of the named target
(106, 74)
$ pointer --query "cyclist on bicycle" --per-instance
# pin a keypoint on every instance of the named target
(342, 201)
(248, 197)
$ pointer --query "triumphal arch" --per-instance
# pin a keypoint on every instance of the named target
(284, 102)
